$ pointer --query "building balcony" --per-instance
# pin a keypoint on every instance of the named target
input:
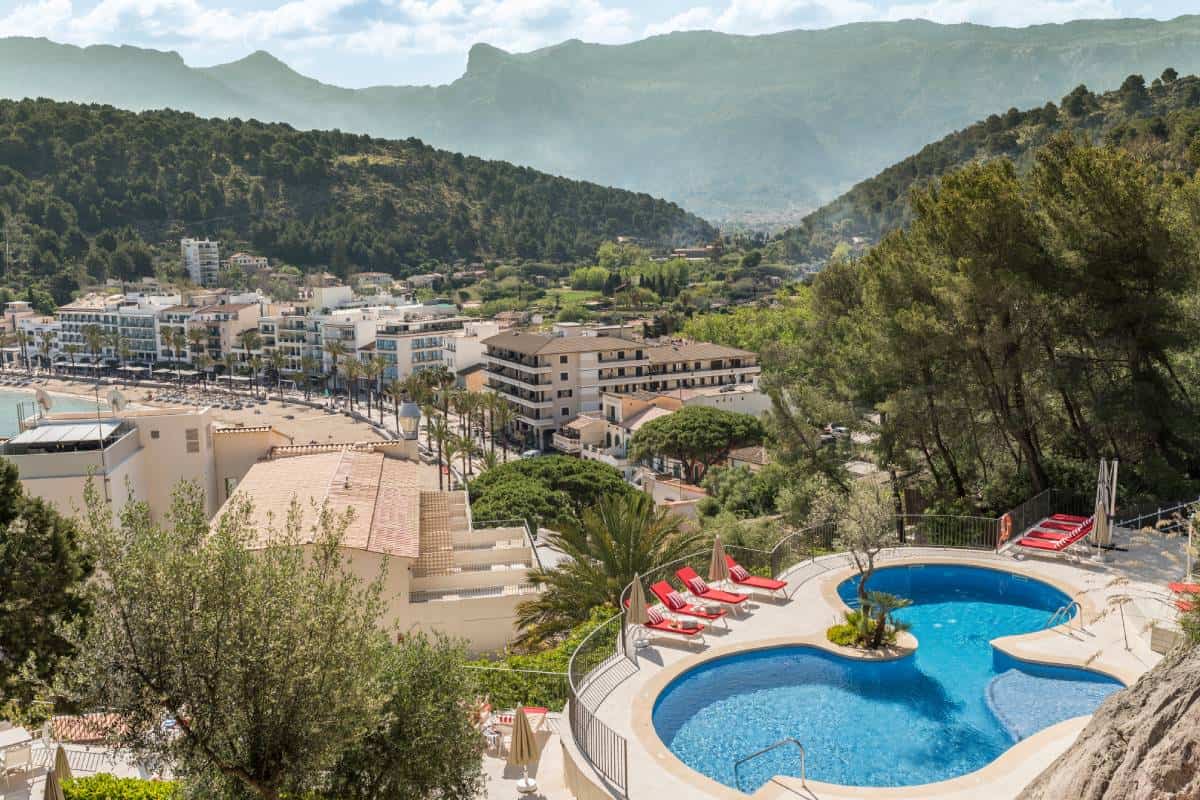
(613, 456)
(566, 444)
(516, 363)
(510, 380)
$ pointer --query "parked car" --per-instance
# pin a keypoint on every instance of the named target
(531, 454)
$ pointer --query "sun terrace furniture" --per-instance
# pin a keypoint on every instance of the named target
(703, 591)
(1055, 540)
(675, 604)
(742, 577)
(658, 621)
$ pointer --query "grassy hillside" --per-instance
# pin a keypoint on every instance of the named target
(89, 186)
(750, 128)
(1159, 121)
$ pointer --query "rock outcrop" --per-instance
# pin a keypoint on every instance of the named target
(1143, 743)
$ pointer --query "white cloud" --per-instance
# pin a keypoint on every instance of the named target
(42, 18)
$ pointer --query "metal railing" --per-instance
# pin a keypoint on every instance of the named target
(944, 530)
(1063, 614)
(605, 749)
(531, 536)
(1178, 514)
(1042, 505)
(737, 775)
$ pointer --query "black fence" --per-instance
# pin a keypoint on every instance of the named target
(605, 749)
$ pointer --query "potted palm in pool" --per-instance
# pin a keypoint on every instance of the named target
(872, 625)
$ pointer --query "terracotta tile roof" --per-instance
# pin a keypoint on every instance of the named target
(537, 344)
(756, 454)
(645, 415)
(383, 493)
(691, 351)
(84, 728)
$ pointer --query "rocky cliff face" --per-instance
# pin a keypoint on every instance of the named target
(1142, 744)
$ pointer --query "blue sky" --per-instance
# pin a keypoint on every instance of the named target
(367, 42)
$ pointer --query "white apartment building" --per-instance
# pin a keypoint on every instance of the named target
(412, 344)
(464, 349)
(201, 260)
(551, 379)
(127, 323)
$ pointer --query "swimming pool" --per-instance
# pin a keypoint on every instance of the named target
(14, 402)
(949, 709)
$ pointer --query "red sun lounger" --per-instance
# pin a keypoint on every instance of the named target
(1039, 541)
(661, 623)
(742, 577)
(675, 603)
(699, 588)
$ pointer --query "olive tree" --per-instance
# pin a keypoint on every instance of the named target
(865, 518)
(247, 659)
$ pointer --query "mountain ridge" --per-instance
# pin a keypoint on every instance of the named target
(755, 129)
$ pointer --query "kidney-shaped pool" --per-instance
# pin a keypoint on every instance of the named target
(949, 709)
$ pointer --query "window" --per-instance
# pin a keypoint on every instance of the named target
(566, 412)
(153, 434)
(193, 440)
(562, 359)
(230, 485)
(562, 376)
(564, 392)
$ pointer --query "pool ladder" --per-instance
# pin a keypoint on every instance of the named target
(1063, 614)
(782, 742)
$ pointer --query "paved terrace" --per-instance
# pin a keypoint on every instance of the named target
(1120, 598)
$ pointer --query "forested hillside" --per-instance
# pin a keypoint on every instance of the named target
(89, 187)
(757, 129)
(1019, 328)
(1158, 121)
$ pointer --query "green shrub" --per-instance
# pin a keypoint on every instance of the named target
(845, 634)
(511, 689)
(109, 787)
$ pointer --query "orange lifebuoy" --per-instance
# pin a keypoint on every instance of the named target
(1005, 528)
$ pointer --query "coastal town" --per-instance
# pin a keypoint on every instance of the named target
(722, 414)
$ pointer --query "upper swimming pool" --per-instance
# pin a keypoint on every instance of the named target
(949, 709)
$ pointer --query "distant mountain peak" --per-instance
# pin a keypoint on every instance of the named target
(484, 57)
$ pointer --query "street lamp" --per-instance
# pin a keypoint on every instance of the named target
(410, 420)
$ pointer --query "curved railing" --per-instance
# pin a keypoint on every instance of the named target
(605, 749)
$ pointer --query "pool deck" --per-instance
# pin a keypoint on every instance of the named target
(1131, 581)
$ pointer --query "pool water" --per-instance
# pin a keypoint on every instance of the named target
(14, 401)
(949, 709)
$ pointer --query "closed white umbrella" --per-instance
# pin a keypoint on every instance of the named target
(61, 765)
(636, 614)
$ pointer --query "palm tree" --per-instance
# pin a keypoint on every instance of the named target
(276, 360)
(488, 460)
(179, 343)
(450, 448)
(71, 350)
(504, 416)
(94, 336)
(440, 432)
(335, 350)
(229, 360)
(251, 341)
(619, 537)
(428, 411)
(489, 402)
(352, 370)
(456, 400)
(256, 365)
(879, 608)
(397, 390)
(203, 361)
(119, 344)
(197, 338)
(23, 344)
(375, 369)
(45, 345)
(310, 367)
